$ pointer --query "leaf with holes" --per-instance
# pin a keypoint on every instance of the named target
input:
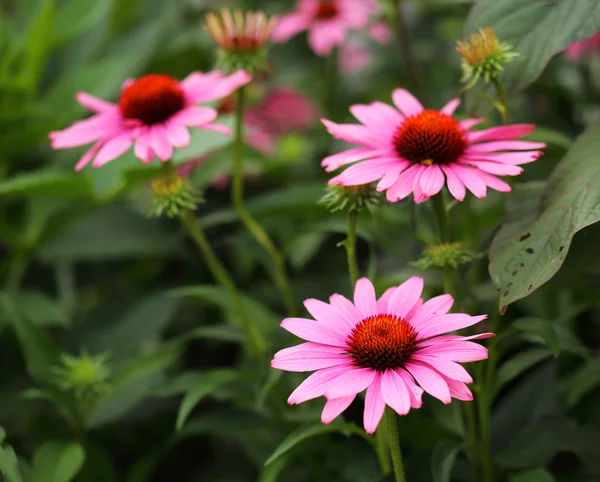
(537, 29)
(541, 220)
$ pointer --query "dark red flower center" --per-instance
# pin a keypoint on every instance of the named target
(327, 10)
(152, 99)
(382, 342)
(430, 137)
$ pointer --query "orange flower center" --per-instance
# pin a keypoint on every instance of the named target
(327, 10)
(382, 342)
(430, 137)
(152, 99)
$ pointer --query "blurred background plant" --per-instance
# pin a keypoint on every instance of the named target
(162, 388)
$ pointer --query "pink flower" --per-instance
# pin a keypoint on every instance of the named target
(154, 112)
(354, 57)
(328, 22)
(286, 110)
(385, 346)
(380, 32)
(588, 46)
(418, 151)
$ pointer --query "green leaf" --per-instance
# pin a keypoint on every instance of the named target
(443, 459)
(74, 17)
(579, 384)
(313, 430)
(537, 29)
(204, 384)
(38, 350)
(534, 240)
(519, 363)
(46, 183)
(537, 444)
(8, 461)
(535, 475)
(57, 462)
(542, 331)
(304, 247)
(112, 232)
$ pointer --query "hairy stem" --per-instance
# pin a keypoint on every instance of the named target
(394, 444)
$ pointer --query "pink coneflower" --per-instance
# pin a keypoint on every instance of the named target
(588, 46)
(418, 150)
(385, 346)
(154, 111)
(354, 57)
(328, 22)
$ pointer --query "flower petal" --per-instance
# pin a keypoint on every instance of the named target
(432, 180)
(455, 185)
(374, 406)
(288, 26)
(328, 315)
(314, 386)
(458, 351)
(438, 305)
(178, 135)
(415, 391)
(94, 103)
(310, 330)
(334, 407)
(445, 323)
(364, 172)
(394, 392)
(405, 297)
(500, 133)
(364, 298)
(159, 143)
(350, 314)
(447, 368)
(430, 380)
(353, 381)
(333, 162)
(403, 185)
(450, 107)
(406, 102)
(471, 179)
(194, 116)
(113, 148)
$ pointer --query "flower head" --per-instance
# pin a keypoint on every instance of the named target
(154, 112)
(242, 38)
(484, 56)
(172, 194)
(414, 150)
(328, 22)
(447, 255)
(352, 198)
(82, 374)
(389, 346)
(577, 50)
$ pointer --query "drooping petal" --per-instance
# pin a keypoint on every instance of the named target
(374, 405)
(194, 116)
(142, 149)
(405, 297)
(364, 172)
(459, 390)
(506, 146)
(333, 162)
(403, 185)
(353, 381)
(391, 176)
(406, 102)
(178, 135)
(494, 182)
(308, 359)
(364, 298)
(395, 392)
(430, 380)
(353, 133)
(160, 143)
(447, 368)
(494, 167)
(415, 392)
(88, 156)
(455, 185)
(502, 133)
(334, 407)
(113, 148)
(310, 330)
(97, 127)
(458, 351)
(314, 386)
(470, 178)
(445, 323)
(432, 180)
(446, 338)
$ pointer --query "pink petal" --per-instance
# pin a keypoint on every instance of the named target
(334, 407)
(112, 149)
(500, 133)
(353, 133)
(494, 167)
(349, 313)
(445, 323)
(430, 380)
(94, 103)
(331, 163)
(415, 392)
(159, 143)
(374, 405)
(406, 102)
(432, 180)
(455, 185)
(418, 195)
(217, 128)
(468, 123)
(364, 172)
(459, 390)
(177, 135)
(392, 175)
(194, 116)
(323, 37)
(351, 382)
(458, 351)
(418, 305)
(439, 305)
(218, 88)
(382, 302)
(447, 368)
(311, 349)
(327, 314)
(288, 26)
(83, 132)
(494, 182)
(313, 331)
(446, 338)
(308, 361)
(506, 146)
(142, 149)
(405, 297)
(369, 115)
(388, 113)
(364, 298)
(471, 179)
(510, 157)
(403, 185)
(394, 392)
(87, 157)
(314, 386)
(450, 107)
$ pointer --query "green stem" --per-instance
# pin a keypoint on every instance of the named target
(351, 246)
(255, 342)
(381, 449)
(399, 25)
(439, 210)
(394, 443)
(280, 275)
(16, 272)
(501, 98)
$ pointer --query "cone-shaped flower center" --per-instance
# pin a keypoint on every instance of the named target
(327, 9)
(152, 99)
(382, 342)
(430, 137)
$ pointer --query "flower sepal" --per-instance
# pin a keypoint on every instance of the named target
(350, 198)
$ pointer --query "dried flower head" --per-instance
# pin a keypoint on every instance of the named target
(83, 374)
(172, 194)
(242, 38)
(351, 198)
(484, 56)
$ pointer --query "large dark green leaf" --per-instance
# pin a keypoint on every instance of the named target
(538, 29)
(47, 183)
(535, 238)
(581, 382)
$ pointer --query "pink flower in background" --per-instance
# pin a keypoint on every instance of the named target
(327, 22)
(380, 32)
(414, 150)
(354, 56)
(391, 347)
(154, 112)
(588, 46)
